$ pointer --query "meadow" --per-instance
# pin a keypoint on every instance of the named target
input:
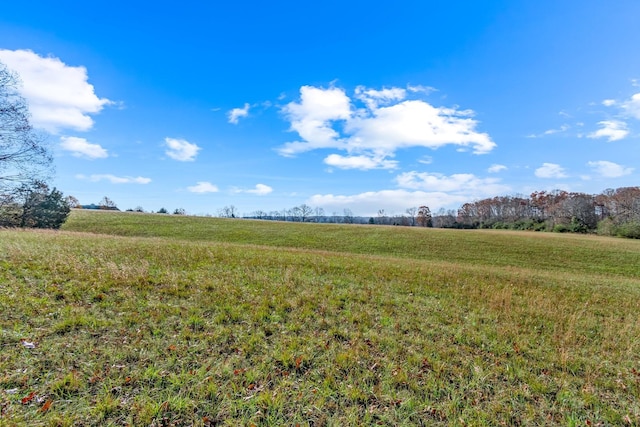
(165, 320)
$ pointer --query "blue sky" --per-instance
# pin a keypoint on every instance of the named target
(361, 105)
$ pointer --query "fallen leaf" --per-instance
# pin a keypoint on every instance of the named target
(28, 398)
(46, 406)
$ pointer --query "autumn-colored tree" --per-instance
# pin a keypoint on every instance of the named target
(424, 217)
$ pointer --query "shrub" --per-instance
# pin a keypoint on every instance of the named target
(34, 205)
(606, 227)
(561, 228)
(630, 230)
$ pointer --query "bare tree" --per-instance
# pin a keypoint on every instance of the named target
(23, 155)
(228, 212)
(305, 211)
(275, 215)
(382, 217)
(260, 214)
(348, 216)
(444, 218)
(107, 204)
(72, 202)
(412, 215)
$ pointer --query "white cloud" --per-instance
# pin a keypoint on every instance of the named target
(415, 123)
(419, 88)
(181, 150)
(80, 147)
(328, 118)
(312, 117)
(609, 169)
(462, 183)
(550, 170)
(235, 114)
(203, 187)
(613, 130)
(372, 98)
(59, 95)
(359, 162)
(632, 106)
(495, 168)
(563, 128)
(609, 102)
(115, 179)
(260, 190)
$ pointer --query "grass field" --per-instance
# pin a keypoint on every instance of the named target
(165, 320)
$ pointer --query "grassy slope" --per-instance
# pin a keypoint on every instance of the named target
(204, 321)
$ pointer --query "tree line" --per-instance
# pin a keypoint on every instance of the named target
(415, 216)
(614, 212)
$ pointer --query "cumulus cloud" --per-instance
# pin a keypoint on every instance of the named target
(203, 187)
(495, 168)
(609, 102)
(312, 119)
(181, 150)
(359, 162)
(632, 106)
(80, 147)
(613, 130)
(609, 169)
(385, 122)
(235, 114)
(115, 179)
(59, 95)
(550, 170)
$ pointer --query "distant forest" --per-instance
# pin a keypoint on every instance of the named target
(614, 212)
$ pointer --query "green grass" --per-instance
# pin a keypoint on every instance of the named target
(169, 320)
